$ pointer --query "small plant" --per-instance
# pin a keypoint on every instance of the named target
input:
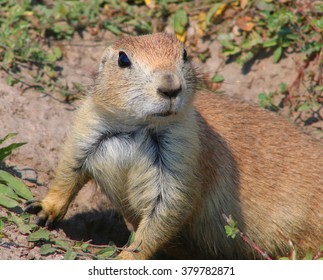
(6, 151)
(308, 256)
(303, 109)
(233, 231)
(13, 197)
(274, 27)
(13, 193)
(12, 190)
(267, 100)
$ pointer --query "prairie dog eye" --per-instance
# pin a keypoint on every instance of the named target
(184, 55)
(123, 60)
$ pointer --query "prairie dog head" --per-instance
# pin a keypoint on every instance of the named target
(145, 79)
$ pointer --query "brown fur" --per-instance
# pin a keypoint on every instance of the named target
(173, 169)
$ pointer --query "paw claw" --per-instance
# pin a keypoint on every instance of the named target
(44, 218)
(41, 221)
(49, 223)
(33, 207)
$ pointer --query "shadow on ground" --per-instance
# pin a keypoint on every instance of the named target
(100, 227)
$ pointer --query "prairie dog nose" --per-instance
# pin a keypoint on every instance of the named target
(168, 85)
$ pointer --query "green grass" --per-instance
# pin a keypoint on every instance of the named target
(29, 32)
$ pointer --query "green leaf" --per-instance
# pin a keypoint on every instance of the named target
(8, 58)
(231, 231)
(16, 184)
(23, 227)
(10, 80)
(7, 202)
(283, 87)
(8, 192)
(262, 104)
(249, 44)
(232, 223)
(62, 244)
(270, 43)
(318, 7)
(211, 12)
(180, 20)
(318, 23)
(49, 71)
(217, 78)
(293, 37)
(233, 51)
(309, 255)
(70, 255)
(245, 57)
(304, 107)
(318, 88)
(6, 151)
(78, 244)
(1, 225)
(277, 54)
(106, 253)
(51, 58)
(84, 247)
(113, 28)
(230, 228)
(47, 249)
(286, 43)
(9, 135)
(41, 234)
(57, 52)
(262, 96)
(229, 47)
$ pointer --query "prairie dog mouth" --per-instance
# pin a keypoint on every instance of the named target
(171, 111)
(164, 114)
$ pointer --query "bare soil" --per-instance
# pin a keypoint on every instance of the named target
(43, 122)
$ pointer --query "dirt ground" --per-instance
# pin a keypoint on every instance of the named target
(43, 122)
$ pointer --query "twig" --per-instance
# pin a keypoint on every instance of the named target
(246, 239)
(15, 244)
(30, 84)
(253, 245)
(318, 255)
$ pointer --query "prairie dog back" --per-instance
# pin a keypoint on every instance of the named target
(173, 160)
(277, 184)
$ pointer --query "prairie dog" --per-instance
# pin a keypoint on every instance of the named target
(173, 160)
